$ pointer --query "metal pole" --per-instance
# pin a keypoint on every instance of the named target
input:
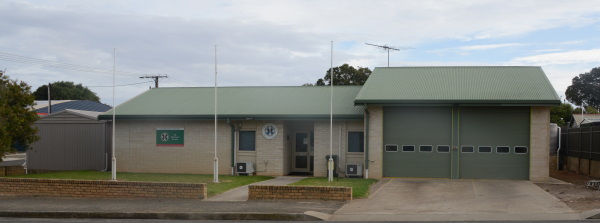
(114, 159)
(330, 164)
(49, 99)
(388, 57)
(216, 160)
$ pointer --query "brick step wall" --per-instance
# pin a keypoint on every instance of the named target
(96, 188)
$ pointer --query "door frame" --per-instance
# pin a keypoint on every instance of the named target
(309, 152)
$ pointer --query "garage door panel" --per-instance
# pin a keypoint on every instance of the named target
(494, 127)
(417, 126)
(494, 166)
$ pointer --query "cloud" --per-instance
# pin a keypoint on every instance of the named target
(569, 57)
(488, 46)
(271, 42)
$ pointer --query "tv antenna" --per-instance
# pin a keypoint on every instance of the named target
(155, 77)
(388, 48)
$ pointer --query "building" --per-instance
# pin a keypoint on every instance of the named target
(585, 120)
(71, 140)
(438, 122)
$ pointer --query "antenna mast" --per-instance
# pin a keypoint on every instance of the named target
(388, 48)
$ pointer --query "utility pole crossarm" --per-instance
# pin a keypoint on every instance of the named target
(155, 78)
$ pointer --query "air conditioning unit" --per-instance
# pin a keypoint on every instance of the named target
(244, 168)
(354, 170)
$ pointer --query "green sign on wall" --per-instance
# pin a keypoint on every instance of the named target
(169, 137)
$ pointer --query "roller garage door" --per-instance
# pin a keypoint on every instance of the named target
(456, 142)
(412, 137)
(494, 142)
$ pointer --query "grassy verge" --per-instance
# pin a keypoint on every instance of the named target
(226, 182)
(360, 187)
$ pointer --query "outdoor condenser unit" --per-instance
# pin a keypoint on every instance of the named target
(354, 170)
(244, 168)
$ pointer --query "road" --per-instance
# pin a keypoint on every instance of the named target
(31, 220)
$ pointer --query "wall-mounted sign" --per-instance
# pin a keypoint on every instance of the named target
(169, 137)
(269, 131)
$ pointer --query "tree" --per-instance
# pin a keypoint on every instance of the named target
(346, 75)
(585, 89)
(16, 115)
(65, 90)
(561, 114)
(588, 110)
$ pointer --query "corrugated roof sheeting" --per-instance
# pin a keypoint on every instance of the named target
(250, 102)
(504, 84)
(84, 105)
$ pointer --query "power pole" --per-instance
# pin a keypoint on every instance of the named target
(155, 77)
(388, 48)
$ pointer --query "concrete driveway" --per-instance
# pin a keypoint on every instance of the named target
(456, 200)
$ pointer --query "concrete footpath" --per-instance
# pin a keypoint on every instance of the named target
(46, 207)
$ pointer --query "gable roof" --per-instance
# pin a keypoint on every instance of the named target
(578, 119)
(83, 105)
(294, 102)
(494, 85)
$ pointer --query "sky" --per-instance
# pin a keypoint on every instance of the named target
(284, 42)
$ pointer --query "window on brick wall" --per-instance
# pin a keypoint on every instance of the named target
(247, 141)
(356, 142)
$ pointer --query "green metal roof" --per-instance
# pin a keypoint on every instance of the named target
(312, 102)
(493, 85)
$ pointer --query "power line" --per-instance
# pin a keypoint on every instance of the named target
(175, 81)
(388, 48)
(124, 84)
(48, 63)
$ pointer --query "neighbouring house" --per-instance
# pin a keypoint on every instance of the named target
(434, 122)
(71, 140)
(41, 107)
(585, 120)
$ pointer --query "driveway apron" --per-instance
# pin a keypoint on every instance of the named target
(447, 199)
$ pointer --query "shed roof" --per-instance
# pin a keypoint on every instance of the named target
(494, 85)
(60, 105)
(241, 103)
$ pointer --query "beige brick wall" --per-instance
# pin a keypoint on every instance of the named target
(376, 142)
(540, 144)
(340, 145)
(136, 149)
(269, 152)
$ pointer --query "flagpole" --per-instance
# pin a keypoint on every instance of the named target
(330, 163)
(216, 160)
(113, 169)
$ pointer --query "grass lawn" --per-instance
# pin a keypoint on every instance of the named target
(360, 187)
(226, 182)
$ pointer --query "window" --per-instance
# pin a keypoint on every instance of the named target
(247, 140)
(425, 148)
(520, 150)
(502, 149)
(391, 148)
(443, 149)
(485, 149)
(356, 142)
(467, 149)
(408, 148)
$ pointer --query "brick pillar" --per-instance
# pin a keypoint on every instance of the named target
(540, 144)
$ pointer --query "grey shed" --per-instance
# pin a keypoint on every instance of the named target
(71, 140)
